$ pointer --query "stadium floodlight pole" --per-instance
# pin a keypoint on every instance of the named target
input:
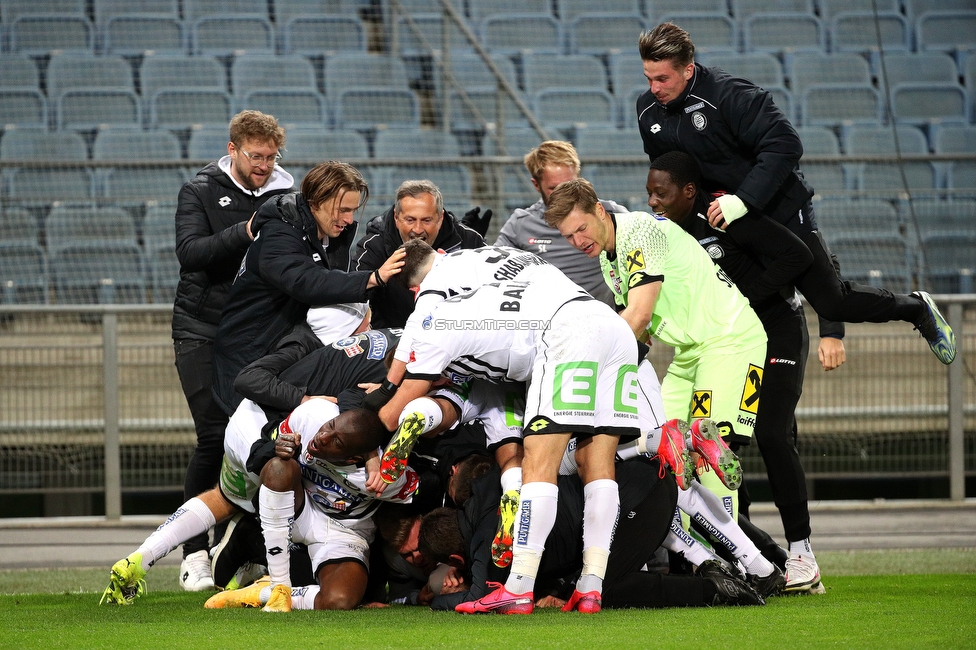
(503, 83)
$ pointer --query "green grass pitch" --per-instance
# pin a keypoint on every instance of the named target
(874, 599)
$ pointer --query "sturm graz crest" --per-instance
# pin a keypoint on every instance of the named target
(698, 120)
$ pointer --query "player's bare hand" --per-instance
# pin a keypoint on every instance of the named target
(715, 216)
(390, 268)
(369, 388)
(831, 352)
(374, 482)
(286, 444)
(550, 601)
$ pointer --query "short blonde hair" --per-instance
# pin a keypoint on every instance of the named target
(569, 196)
(255, 125)
(551, 152)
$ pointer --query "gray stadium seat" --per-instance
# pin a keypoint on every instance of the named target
(655, 10)
(45, 184)
(744, 9)
(761, 68)
(70, 224)
(43, 34)
(311, 146)
(410, 45)
(969, 70)
(290, 106)
(72, 72)
(844, 68)
(929, 103)
(351, 69)
(513, 33)
(604, 141)
(163, 268)
(412, 144)
(485, 99)
(629, 104)
(950, 260)
(225, 35)
(23, 273)
(209, 143)
(933, 215)
(841, 104)
(710, 32)
(518, 142)
(134, 34)
(271, 71)
(784, 33)
(24, 107)
(947, 31)
(79, 273)
(18, 225)
(621, 182)
(916, 67)
(563, 108)
(168, 71)
(159, 226)
(569, 10)
(194, 9)
(367, 108)
(885, 176)
(822, 176)
(830, 8)
(287, 10)
(470, 71)
(108, 9)
(874, 259)
(138, 183)
(90, 109)
(818, 141)
(783, 99)
(324, 35)
(915, 8)
(604, 33)
(626, 71)
(856, 31)
(177, 108)
(481, 9)
(541, 71)
(861, 216)
(10, 10)
(18, 71)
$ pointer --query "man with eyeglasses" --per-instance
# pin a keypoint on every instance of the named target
(213, 219)
(417, 214)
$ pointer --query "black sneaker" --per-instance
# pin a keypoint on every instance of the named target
(729, 590)
(242, 542)
(770, 585)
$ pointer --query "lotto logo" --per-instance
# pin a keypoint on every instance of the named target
(223, 201)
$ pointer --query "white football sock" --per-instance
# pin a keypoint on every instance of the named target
(601, 507)
(277, 518)
(190, 520)
(427, 407)
(679, 541)
(512, 479)
(304, 597)
(533, 522)
(803, 548)
(707, 509)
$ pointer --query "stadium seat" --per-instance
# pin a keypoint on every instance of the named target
(98, 273)
(784, 33)
(580, 71)
(947, 31)
(471, 72)
(918, 67)
(818, 141)
(368, 108)
(23, 107)
(958, 139)
(841, 216)
(915, 8)
(874, 259)
(140, 183)
(866, 140)
(10, 10)
(761, 68)
(309, 146)
(568, 10)
(783, 99)
(18, 71)
(177, 108)
(194, 9)
(324, 35)
(934, 215)
(208, 142)
(517, 142)
(857, 31)
(159, 226)
(626, 71)
(710, 32)
(85, 72)
(485, 100)
(961, 175)
(604, 33)
(23, 273)
(270, 71)
(950, 260)
(621, 182)
(105, 10)
(287, 10)
(481, 9)
(830, 8)
(413, 144)
(929, 103)
(841, 104)
(44, 34)
(160, 72)
(18, 226)
(821, 176)
(844, 68)
(655, 10)
(742, 10)
(87, 110)
(594, 140)
(163, 268)
(45, 184)
(70, 224)
(431, 27)
(564, 108)
(135, 34)
(226, 35)
(351, 69)
(969, 70)
(629, 104)
(290, 106)
(513, 33)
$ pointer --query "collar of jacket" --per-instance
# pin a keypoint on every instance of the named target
(678, 104)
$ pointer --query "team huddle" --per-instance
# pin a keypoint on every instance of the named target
(431, 420)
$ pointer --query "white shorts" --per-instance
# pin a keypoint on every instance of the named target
(584, 381)
(330, 540)
(499, 407)
(238, 485)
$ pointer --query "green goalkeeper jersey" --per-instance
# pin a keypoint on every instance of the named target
(698, 303)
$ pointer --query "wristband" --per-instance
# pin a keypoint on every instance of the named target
(379, 280)
(378, 398)
(732, 207)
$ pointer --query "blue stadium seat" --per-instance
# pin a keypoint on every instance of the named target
(324, 35)
(351, 69)
(580, 71)
(105, 10)
(321, 144)
(135, 34)
(481, 9)
(18, 226)
(70, 224)
(742, 10)
(161, 72)
(177, 108)
(367, 108)
(915, 8)
(24, 107)
(761, 68)
(290, 106)
(98, 273)
(470, 70)
(431, 28)
(43, 34)
(90, 109)
(784, 34)
(830, 8)
(194, 9)
(604, 33)
(23, 273)
(822, 176)
(843, 68)
(626, 71)
(856, 31)
(564, 108)
(657, 10)
(947, 31)
(841, 104)
(287, 10)
(10, 10)
(18, 71)
(140, 183)
(226, 35)
(929, 103)
(518, 142)
(45, 184)
(918, 67)
(569, 10)
(783, 99)
(957, 138)
(513, 33)
(818, 141)
(485, 100)
(866, 140)
(413, 144)
(935, 215)
(271, 71)
(86, 72)
(710, 32)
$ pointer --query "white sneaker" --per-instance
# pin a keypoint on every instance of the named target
(802, 575)
(195, 572)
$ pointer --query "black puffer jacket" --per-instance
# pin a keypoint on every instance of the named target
(285, 271)
(741, 141)
(393, 304)
(210, 243)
